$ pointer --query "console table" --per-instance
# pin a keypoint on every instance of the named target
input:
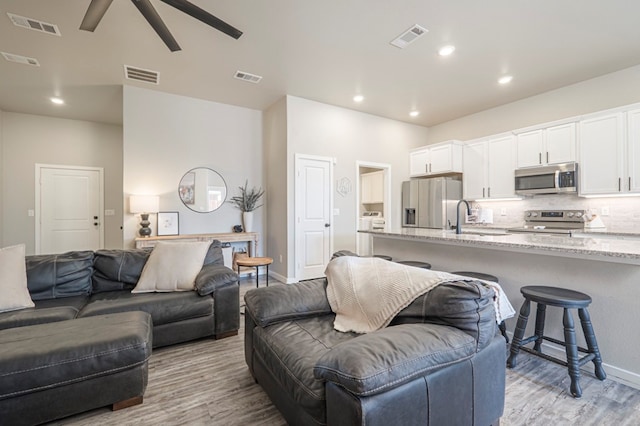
(230, 237)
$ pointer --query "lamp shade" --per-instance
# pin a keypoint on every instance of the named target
(144, 203)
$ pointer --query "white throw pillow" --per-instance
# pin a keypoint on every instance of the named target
(14, 293)
(172, 266)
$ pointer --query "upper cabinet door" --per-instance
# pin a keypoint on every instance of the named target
(440, 159)
(530, 147)
(633, 151)
(501, 166)
(560, 144)
(419, 162)
(601, 155)
(474, 171)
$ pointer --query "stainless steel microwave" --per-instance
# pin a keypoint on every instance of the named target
(559, 178)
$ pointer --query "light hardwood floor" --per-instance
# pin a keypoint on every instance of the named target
(207, 383)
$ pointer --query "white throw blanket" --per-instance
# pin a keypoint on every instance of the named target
(367, 292)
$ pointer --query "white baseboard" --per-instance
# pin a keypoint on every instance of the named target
(614, 373)
(282, 278)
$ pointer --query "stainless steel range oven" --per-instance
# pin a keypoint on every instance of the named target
(552, 221)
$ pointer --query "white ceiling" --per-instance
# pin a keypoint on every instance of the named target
(321, 50)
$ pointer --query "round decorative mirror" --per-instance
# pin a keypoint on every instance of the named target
(202, 190)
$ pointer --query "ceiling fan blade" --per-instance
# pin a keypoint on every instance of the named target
(150, 14)
(94, 14)
(204, 16)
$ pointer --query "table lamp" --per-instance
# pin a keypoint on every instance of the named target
(144, 204)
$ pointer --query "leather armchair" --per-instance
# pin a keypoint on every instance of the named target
(438, 363)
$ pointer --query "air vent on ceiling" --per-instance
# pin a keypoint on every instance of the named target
(34, 24)
(245, 76)
(409, 36)
(139, 74)
(20, 59)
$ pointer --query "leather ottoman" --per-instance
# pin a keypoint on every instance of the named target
(54, 370)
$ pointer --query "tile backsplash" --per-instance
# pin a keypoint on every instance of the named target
(624, 212)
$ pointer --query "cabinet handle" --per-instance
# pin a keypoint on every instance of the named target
(429, 167)
(539, 158)
(547, 156)
(619, 184)
(629, 183)
(489, 192)
(426, 167)
(482, 192)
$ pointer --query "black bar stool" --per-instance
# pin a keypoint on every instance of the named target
(383, 256)
(487, 277)
(566, 299)
(417, 264)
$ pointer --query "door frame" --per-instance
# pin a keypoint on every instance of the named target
(298, 208)
(387, 195)
(38, 171)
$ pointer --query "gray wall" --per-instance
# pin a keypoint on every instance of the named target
(2, 188)
(276, 167)
(348, 136)
(167, 135)
(30, 139)
(608, 91)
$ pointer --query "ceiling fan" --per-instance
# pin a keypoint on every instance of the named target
(97, 9)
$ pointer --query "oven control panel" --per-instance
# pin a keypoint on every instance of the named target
(554, 215)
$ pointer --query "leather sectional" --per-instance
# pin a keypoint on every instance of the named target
(83, 304)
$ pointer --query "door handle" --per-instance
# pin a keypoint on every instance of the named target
(95, 218)
(326, 225)
(95, 223)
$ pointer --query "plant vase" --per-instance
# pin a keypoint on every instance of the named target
(247, 221)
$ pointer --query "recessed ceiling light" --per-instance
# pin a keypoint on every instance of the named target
(358, 98)
(446, 50)
(505, 79)
(414, 113)
(57, 101)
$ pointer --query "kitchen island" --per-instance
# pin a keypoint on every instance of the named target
(606, 269)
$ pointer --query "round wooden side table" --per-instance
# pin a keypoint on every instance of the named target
(256, 262)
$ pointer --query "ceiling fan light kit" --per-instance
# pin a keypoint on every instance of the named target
(97, 9)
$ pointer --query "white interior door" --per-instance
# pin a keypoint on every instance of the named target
(313, 216)
(68, 209)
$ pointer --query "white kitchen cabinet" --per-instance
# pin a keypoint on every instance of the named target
(551, 145)
(372, 187)
(633, 151)
(488, 168)
(419, 162)
(601, 154)
(436, 159)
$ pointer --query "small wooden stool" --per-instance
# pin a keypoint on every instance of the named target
(566, 299)
(256, 262)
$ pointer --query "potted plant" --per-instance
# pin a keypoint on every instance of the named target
(247, 202)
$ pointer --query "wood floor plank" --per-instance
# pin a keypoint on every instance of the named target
(207, 382)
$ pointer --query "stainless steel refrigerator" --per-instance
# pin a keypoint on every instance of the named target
(430, 203)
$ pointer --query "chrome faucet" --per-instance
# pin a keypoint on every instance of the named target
(458, 229)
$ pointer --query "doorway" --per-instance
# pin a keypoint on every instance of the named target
(373, 194)
(313, 215)
(69, 208)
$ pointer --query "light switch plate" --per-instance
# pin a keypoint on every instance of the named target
(605, 210)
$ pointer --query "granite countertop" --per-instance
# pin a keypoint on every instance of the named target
(604, 249)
